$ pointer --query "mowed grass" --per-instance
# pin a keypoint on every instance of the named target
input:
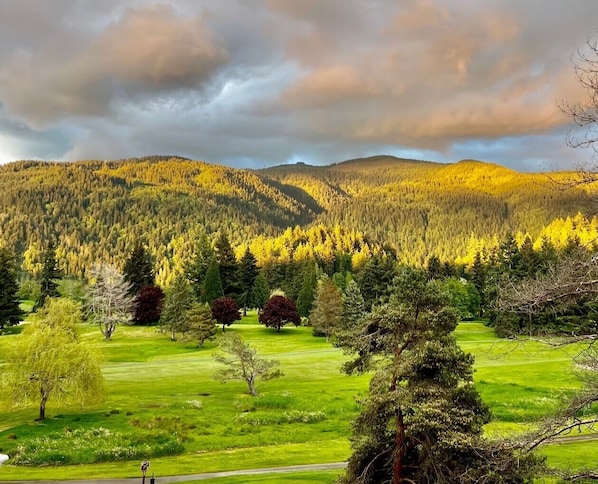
(155, 386)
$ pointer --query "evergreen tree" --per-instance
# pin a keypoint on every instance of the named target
(179, 299)
(10, 312)
(423, 418)
(375, 279)
(212, 286)
(47, 279)
(260, 292)
(326, 316)
(305, 299)
(478, 278)
(139, 269)
(199, 323)
(353, 306)
(248, 272)
(228, 267)
(200, 263)
(434, 267)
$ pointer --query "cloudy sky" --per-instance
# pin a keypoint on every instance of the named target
(252, 83)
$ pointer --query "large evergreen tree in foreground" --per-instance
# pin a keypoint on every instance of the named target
(422, 420)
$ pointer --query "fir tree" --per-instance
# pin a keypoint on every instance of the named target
(227, 264)
(200, 263)
(326, 315)
(10, 312)
(260, 292)
(212, 286)
(199, 323)
(139, 269)
(375, 279)
(47, 279)
(179, 299)
(306, 296)
(353, 306)
(248, 272)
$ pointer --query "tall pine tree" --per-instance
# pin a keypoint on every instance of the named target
(248, 272)
(200, 263)
(212, 286)
(227, 264)
(139, 269)
(47, 279)
(10, 312)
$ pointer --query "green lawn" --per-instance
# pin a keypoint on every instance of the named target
(158, 390)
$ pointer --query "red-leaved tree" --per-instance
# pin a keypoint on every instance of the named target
(225, 310)
(148, 305)
(278, 311)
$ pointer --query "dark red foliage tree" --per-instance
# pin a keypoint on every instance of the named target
(278, 311)
(148, 305)
(225, 310)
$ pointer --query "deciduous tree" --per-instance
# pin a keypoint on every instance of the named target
(225, 310)
(148, 305)
(50, 361)
(278, 311)
(109, 302)
(244, 364)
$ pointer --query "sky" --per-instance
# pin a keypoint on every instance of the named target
(254, 83)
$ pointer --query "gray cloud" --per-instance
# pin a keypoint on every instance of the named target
(262, 82)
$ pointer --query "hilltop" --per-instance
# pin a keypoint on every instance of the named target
(98, 209)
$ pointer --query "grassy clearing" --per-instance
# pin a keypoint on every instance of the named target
(157, 389)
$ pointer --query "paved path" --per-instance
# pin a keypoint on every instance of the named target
(197, 477)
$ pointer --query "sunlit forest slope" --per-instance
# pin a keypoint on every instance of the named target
(97, 210)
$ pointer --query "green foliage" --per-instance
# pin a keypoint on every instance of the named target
(212, 286)
(422, 420)
(179, 299)
(48, 276)
(326, 316)
(50, 361)
(10, 311)
(228, 266)
(353, 306)
(260, 292)
(139, 269)
(83, 446)
(200, 326)
(248, 272)
(200, 262)
(244, 364)
(305, 299)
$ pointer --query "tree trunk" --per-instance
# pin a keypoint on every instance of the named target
(252, 389)
(400, 447)
(42, 407)
(223, 329)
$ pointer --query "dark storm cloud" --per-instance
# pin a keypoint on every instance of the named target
(262, 82)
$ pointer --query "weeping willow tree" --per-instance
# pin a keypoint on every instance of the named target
(50, 362)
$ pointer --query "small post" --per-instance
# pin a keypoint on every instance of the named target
(152, 479)
(144, 467)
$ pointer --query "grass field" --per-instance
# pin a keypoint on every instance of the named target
(159, 392)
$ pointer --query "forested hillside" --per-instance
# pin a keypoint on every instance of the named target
(424, 209)
(98, 210)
